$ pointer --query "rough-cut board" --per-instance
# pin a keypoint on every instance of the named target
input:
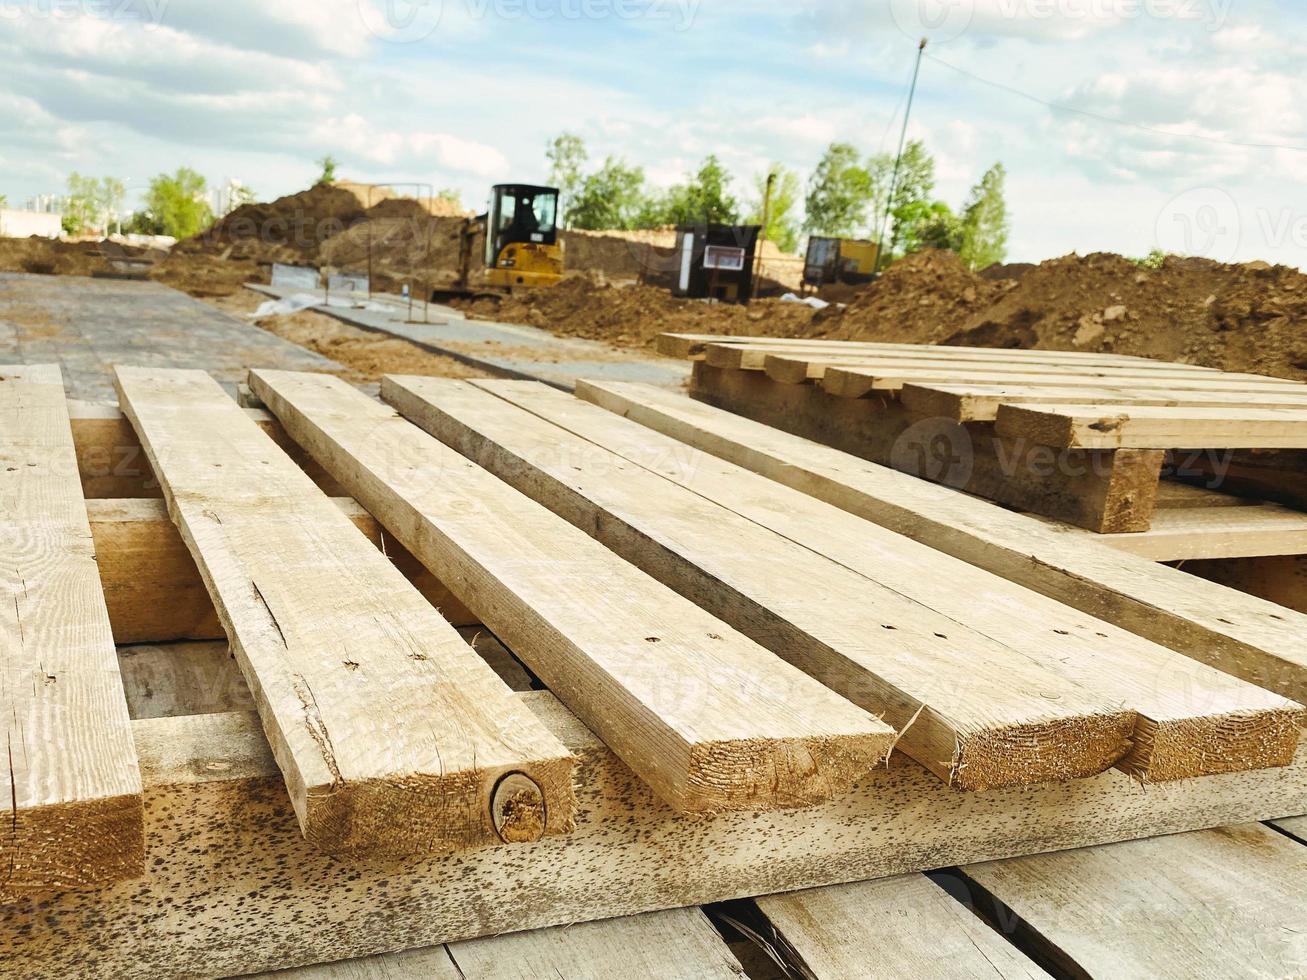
(237, 890)
(392, 735)
(1089, 426)
(1281, 579)
(70, 786)
(1217, 532)
(798, 368)
(142, 557)
(112, 463)
(1192, 719)
(847, 381)
(1258, 641)
(694, 346)
(679, 944)
(905, 927)
(974, 710)
(712, 720)
(1219, 903)
(755, 357)
(977, 403)
(1100, 490)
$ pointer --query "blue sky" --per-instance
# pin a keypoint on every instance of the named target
(463, 93)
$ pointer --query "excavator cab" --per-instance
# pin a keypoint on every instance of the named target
(522, 247)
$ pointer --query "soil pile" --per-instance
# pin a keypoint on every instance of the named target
(1250, 317)
(290, 229)
(51, 257)
(628, 314)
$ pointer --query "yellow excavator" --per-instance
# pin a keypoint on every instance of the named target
(522, 249)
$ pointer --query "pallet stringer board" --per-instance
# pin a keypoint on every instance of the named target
(70, 785)
(974, 710)
(1258, 641)
(235, 888)
(712, 720)
(393, 736)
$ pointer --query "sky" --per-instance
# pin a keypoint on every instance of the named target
(1124, 125)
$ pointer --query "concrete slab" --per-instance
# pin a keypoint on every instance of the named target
(506, 349)
(88, 325)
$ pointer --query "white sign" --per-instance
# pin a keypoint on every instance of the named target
(723, 257)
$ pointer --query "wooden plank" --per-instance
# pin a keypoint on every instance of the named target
(800, 368)
(971, 708)
(71, 787)
(1100, 490)
(1088, 426)
(237, 890)
(112, 463)
(679, 944)
(1281, 579)
(392, 735)
(754, 357)
(711, 720)
(189, 678)
(979, 403)
(695, 346)
(1218, 903)
(904, 927)
(847, 381)
(141, 557)
(1182, 496)
(1258, 641)
(1217, 532)
(1191, 719)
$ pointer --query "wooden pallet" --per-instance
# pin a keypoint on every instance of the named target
(244, 870)
(1081, 438)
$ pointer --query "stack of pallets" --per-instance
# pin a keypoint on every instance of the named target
(741, 664)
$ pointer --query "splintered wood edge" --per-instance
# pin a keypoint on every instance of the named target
(1041, 751)
(80, 844)
(1226, 743)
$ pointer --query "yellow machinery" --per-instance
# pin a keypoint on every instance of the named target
(522, 247)
(845, 260)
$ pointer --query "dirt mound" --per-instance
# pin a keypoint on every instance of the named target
(51, 257)
(628, 314)
(919, 300)
(290, 229)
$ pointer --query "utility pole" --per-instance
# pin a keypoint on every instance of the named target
(898, 160)
(766, 220)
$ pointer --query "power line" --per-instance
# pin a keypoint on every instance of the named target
(1061, 107)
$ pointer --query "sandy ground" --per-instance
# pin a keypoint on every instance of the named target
(365, 356)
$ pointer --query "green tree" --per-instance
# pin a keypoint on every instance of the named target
(567, 155)
(452, 195)
(912, 202)
(611, 197)
(704, 199)
(328, 165)
(932, 225)
(786, 190)
(840, 193)
(85, 206)
(985, 221)
(176, 204)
